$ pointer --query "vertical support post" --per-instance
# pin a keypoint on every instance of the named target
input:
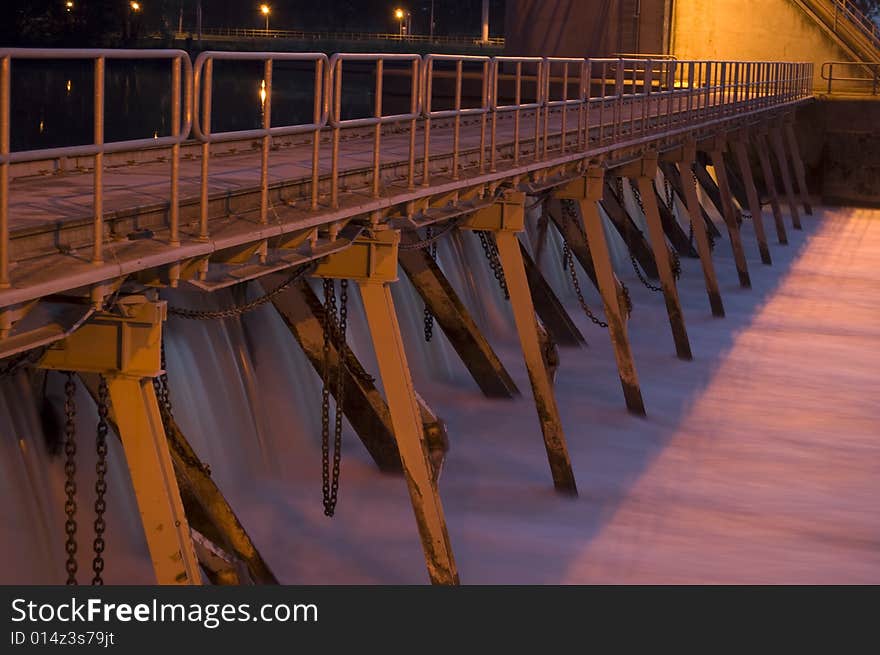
(207, 98)
(661, 256)
(5, 72)
(770, 183)
(800, 173)
(266, 142)
(742, 158)
(174, 203)
(607, 283)
(542, 387)
(391, 357)
(98, 248)
(739, 255)
(152, 474)
(689, 187)
(782, 161)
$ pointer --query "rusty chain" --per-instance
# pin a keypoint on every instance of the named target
(101, 481)
(675, 261)
(232, 312)
(490, 250)
(70, 545)
(432, 253)
(334, 324)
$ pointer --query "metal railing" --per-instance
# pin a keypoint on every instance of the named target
(847, 10)
(204, 76)
(859, 76)
(301, 35)
(632, 101)
(181, 120)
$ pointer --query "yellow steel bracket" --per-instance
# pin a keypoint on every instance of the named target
(587, 187)
(126, 347)
(127, 343)
(371, 258)
(507, 214)
(644, 167)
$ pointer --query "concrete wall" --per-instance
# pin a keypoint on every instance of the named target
(750, 30)
(585, 28)
(838, 137)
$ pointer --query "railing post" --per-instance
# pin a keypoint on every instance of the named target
(207, 83)
(5, 72)
(98, 203)
(266, 142)
(174, 202)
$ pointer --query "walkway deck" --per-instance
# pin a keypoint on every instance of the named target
(758, 462)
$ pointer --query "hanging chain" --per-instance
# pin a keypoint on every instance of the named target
(709, 234)
(432, 253)
(641, 277)
(335, 326)
(432, 236)
(491, 252)
(675, 261)
(568, 263)
(70, 476)
(232, 312)
(101, 482)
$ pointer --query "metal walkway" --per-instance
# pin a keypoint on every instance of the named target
(461, 143)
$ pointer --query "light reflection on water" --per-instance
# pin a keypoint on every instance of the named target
(52, 103)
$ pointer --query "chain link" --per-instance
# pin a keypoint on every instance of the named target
(432, 253)
(335, 327)
(232, 312)
(490, 250)
(12, 365)
(101, 481)
(568, 263)
(675, 261)
(70, 545)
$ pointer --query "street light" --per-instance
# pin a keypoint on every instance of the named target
(266, 10)
(135, 6)
(402, 15)
(69, 5)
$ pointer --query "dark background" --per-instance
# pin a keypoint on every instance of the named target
(94, 23)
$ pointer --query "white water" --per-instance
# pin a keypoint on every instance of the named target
(758, 461)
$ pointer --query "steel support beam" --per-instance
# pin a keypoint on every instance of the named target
(645, 179)
(587, 192)
(635, 240)
(675, 177)
(671, 227)
(506, 218)
(560, 327)
(372, 262)
(739, 255)
(125, 348)
(701, 236)
(742, 157)
(207, 510)
(405, 417)
(782, 162)
(800, 172)
(770, 183)
(456, 322)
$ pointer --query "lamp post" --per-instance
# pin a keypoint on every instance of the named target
(403, 15)
(266, 10)
(69, 6)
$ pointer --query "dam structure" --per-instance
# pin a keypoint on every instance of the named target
(544, 305)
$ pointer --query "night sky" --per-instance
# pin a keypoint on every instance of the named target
(47, 22)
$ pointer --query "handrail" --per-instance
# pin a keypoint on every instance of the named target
(633, 100)
(856, 16)
(180, 64)
(871, 67)
(202, 105)
(378, 118)
(451, 39)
